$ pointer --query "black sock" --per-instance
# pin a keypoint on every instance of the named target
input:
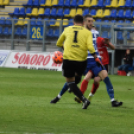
(76, 91)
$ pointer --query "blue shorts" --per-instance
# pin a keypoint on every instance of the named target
(94, 68)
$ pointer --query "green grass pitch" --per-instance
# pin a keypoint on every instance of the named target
(25, 107)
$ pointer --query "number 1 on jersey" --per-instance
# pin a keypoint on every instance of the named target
(75, 36)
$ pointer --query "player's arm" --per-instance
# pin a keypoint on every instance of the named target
(61, 40)
(109, 44)
(90, 44)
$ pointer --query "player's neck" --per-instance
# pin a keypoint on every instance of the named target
(78, 24)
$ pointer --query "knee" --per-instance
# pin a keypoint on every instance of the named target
(77, 79)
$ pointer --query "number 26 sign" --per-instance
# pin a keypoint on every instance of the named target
(36, 32)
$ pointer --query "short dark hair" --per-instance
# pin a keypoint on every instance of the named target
(78, 18)
(88, 15)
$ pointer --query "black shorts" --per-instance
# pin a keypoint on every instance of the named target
(69, 68)
(106, 66)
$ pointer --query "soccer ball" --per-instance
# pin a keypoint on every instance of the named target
(57, 57)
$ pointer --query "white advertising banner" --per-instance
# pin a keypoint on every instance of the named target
(3, 56)
(32, 60)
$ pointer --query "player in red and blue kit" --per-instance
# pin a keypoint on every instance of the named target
(94, 68)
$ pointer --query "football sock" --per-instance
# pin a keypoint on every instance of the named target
(109, 87)
(64, 89)
(84, 85)
(94, 88)
(73, 87)
(59, 96)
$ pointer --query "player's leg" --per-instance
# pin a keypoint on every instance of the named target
(104, 76)
(63, 90)
(85, 81)
(95, 86)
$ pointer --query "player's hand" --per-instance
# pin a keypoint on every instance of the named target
(98, 62)
(106, 41)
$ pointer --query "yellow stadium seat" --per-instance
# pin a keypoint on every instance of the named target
(1, 3)
(48, 3)
(54, 2)
(106, 13)
(20, 22)
(99, 13)
(34, 12)
(72, 13)
(41, 11)
(114, 3)
(79, 11)
(86, 3)
(58, 22)
(121, 3)
(65, 22)
(93, 3)
(26, 21)
(6, 2)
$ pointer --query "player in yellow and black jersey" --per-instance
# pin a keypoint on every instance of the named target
(77, 40)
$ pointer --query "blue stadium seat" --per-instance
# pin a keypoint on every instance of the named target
(47, 21)
(120, 21)
(22, 12)
(128, 35)
(33, 21)
(2, 21)
(52, 22)
(128, 3)
(1, 31)
(67, 3)
(24, 32)
(50, 33)
(42, 2)
(106, 26)
(8, 21)
(53, 12)
(36, 3)
(56, 33)
(105, 34)
(133, 3)
(29, 3)
(73, 3)
(85, 12)
(127, 21)
(18, 31)
(113, 13)
(6, 31)
(119, 35)
(60, 12)
(120, 13)
(66, 11)
(80, 2)
(100, 3)
(107, 3)
(128, 14)
(39, 22)
(47, 12)
(16, 12)
(93, 12)
(113, 21)
(61, 3)
(15, 19)
(70, 22)
(28, 10)
(97, 25)
(133, 14)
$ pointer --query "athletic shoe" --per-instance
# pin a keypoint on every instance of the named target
(86, 104)
(116, 103)
(77, 100)
(55, 100)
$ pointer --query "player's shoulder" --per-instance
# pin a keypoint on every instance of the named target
(94, 31)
